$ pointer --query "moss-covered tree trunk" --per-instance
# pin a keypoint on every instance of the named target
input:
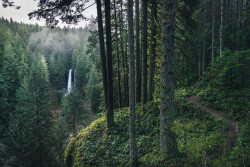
(138, 57)
(152, 50)
(203, 15)
(118, 61)
(109, 114)
(132, 132)
(213, 29)
(144, 50)
(102, 51)
(167, 110)
(222, 27)
(122, 54)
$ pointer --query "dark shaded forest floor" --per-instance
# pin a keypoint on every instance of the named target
(233, 130)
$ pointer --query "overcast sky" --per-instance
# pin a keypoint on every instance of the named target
(28, 6)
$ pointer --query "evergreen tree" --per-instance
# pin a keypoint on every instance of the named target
(152, 50)
(9, 83)
(110, 112)
(167, 110)
(132, 131)
(30, 128)
(144, 51)
(102, 52)
(138, 55)
(93, 90)
(73, 110)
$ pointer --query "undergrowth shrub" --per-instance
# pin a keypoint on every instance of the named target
(197, 133)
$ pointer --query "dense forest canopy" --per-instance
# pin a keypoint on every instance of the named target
(145, 83)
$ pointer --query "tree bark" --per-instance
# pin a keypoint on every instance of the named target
(122, 51)
(132, 132)
(222, 27)
(102, 51)
(203, 36)
(109, 113)
(240, 5)
(213, 26)
(152, 50)
(167, 110)
(138, 56)
(144, 51)
(118, 60)
(126, 71)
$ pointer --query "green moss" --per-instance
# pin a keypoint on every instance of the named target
(197, 132)
(69, 153)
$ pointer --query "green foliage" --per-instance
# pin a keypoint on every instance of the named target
(56, 72)
(234, 104)
(93, 90)
(227, 86)
(239, 155)
(81, 62)
(73, 110)
(197, 132)
(30, 124)
(69, 153)
(235, 70)
(27, 87)
(227, 91)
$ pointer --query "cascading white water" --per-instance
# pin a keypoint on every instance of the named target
(75, 77)
(69, 82)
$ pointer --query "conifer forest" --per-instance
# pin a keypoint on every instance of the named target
(145, 83)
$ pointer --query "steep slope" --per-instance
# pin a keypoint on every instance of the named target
(202, 139)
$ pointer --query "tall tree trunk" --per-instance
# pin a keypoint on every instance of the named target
(199, 44)
(118, 60)
(126, 66)
(122, 51)
(152, 50)
(144, 51)
(138, 57)
(240, 5)
(235, 21)
(213, 26)
(199, 60)
(102, 51)
(222, 27)
(203, 36)
(132, 132)
(167, 110)
(109, 113)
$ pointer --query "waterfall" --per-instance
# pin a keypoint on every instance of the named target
(69, 82)
(75, 78)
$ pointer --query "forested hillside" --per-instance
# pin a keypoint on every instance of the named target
(146, 83)
(37, 114)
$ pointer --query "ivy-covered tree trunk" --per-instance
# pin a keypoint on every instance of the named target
(102, 51)
(138, 56)
(132, 132)
(152, 50)
(144, 50)
(109, 113)
(167, 110)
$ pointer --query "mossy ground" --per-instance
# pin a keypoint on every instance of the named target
(201, 138)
